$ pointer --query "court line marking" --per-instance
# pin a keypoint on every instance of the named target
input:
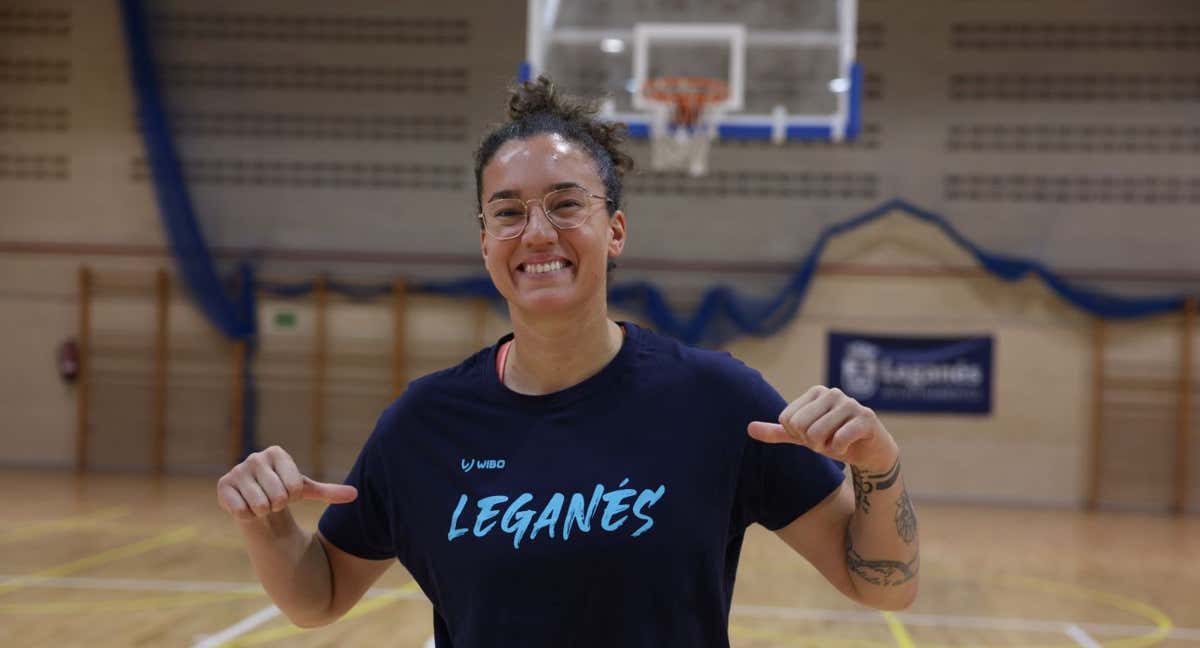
(1082, 638)
(222, 542)
(108, 605)
(174, 536)
(45, 527)
(363, 607)
(150, 584)
(1161, 621)
(959, 621)
(810, 641)
(899, 632)
(84, 582)
(751, 610)
(238, 629)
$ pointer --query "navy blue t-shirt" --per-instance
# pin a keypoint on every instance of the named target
(610, 513)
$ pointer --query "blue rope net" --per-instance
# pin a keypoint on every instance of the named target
(721, 315)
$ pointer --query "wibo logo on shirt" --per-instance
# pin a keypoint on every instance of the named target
(482, 464)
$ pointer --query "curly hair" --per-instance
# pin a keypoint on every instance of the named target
(537, 107)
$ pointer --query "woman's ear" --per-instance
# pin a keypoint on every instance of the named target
(616, 231)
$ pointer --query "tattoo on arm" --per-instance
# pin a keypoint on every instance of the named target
(867, 483)
(885, 573)
(906, 518)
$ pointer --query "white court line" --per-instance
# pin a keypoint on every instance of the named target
(1082, 638)
(251, 622)
(934, 620)
(151, 584)
(240, 628)
(430, 643)
(139, 584)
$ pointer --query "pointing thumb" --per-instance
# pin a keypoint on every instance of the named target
(328, 493)
(770, 433)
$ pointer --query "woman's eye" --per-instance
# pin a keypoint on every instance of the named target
(508, 214)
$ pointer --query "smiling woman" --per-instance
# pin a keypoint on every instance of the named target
(552, 264)
(581, 482)
(552, 154)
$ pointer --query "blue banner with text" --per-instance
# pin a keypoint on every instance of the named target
(913, 374)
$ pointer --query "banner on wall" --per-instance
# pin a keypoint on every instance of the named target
(913, 374)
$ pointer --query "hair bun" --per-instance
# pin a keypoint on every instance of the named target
(541, 97)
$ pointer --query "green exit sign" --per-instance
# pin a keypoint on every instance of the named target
(285, 320)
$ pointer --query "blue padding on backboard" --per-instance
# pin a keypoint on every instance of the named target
(638, 129)
(744, 131)
(809, 132)
(854, 116)
(641, 130)
(524, 72)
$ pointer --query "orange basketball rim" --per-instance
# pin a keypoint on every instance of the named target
(690, 95)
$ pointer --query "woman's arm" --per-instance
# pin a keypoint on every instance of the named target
(861, 551)
(862, 537)
(312, 582)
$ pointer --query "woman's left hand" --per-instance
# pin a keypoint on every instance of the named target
(829, 422)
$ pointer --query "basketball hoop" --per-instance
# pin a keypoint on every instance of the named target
(684, 124)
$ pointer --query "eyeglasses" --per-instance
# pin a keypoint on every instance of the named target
(565, 209)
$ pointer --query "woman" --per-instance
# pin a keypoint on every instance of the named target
(584, 482)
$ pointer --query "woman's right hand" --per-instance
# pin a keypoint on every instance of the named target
(266, 482)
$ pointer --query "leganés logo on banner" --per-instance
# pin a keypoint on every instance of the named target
(913, 374)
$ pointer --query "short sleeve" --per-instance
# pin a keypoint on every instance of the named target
(366, 526)
(779, 482)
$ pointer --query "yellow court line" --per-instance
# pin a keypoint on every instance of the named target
(124, 605)
(814, 641)
(364, 607)
(36, 529)
(899, 632)
(223, 541)
(175, 536)
(1162, 623)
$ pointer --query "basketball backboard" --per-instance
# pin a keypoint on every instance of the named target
(789, 64)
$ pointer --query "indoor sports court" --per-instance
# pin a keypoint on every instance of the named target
(231, 226)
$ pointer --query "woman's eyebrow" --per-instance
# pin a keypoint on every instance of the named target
(505, 193)
(513, 193)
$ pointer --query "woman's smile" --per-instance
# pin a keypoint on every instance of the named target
(546, 269)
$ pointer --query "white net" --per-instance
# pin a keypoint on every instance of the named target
(680, 147)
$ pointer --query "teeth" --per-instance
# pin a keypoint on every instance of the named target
(538, 268)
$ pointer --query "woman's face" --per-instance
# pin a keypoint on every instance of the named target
(528, 169)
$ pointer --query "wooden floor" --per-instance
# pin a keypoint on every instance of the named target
(126, 561)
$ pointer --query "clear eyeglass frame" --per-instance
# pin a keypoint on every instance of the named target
(492, 228)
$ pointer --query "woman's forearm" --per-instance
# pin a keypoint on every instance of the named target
(881, 539)
(292, 566)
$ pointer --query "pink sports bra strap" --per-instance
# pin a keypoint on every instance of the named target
(502, 356)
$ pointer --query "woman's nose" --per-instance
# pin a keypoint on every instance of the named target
(539, 226)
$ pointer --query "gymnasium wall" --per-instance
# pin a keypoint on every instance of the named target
(1064, 131)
